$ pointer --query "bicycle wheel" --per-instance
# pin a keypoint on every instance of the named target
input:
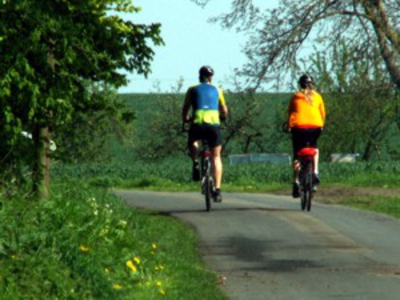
(302, 190)
(208, 192)
(309, 189)
(208, 188)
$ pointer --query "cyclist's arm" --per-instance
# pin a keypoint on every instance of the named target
(290, 112)
(223, 109)
(186, 107)
(322, 110)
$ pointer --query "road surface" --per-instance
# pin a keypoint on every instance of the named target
(268, 249)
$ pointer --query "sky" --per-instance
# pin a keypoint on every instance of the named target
(191, 41)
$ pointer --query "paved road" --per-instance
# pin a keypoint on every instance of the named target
(268, 249)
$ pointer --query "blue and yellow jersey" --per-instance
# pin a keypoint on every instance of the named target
(205, 99)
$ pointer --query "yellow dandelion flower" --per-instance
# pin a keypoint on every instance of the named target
(83, 248)
(156, 268)
(162, 292)
(137, 260)
(131, 266)
(158, 283)
(117, 286)
(107, 270)
(154, 246)
(161, 267)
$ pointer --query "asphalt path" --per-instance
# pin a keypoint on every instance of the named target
(268, 249)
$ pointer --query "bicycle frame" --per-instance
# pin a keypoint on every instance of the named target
(306, 173)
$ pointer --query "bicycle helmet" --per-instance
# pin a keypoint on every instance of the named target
(206, 71)
(305, 80)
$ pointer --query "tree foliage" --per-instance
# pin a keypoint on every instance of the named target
(278, 36)
(86, 138)
(52, 48)
(361, 100)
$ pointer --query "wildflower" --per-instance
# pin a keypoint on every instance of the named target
(107, 270)
(162, 292)
(136, 259)
(158, 283)
(154, 246)
(131, 266)
(117, 286)
(83, 248)
(159, 268)
(123, 223)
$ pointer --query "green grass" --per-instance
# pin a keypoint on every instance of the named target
(174, 174)
(82, 243)
(380, 204)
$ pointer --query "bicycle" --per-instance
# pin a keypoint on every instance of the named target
(207, 175)
(206, 172)
(306, 172)
(306, 176)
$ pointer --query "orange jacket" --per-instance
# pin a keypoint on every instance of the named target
(303, 114)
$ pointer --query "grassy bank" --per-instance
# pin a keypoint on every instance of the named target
(82, 243)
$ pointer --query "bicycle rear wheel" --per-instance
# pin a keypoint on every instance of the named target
(308, 190)
(302, 177)
(208, 191)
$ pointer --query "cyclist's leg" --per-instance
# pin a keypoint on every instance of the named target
(313, 136)
(217, 164)
(192, 142)
(193, 147)
(297, 142)
(215, 142)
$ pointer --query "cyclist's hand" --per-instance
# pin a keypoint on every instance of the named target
(187, 120)
(285, 127)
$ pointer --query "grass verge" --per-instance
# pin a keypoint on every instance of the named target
(82, 243)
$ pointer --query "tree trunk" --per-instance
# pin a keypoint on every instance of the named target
(388, 38)
(41, 168)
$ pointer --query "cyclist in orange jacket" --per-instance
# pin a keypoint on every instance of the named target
(306, 119)
(207, 103)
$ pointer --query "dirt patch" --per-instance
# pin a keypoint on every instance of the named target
(333, 195)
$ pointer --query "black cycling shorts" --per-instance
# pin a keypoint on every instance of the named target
(205, 132)
(304, 137)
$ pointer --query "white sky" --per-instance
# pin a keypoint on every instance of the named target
(190, 42)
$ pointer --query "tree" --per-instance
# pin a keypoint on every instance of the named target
(87, 137)
(50, 49)
(277, 36)
(360, 98)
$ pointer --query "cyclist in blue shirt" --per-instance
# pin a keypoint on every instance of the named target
(208, 107)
